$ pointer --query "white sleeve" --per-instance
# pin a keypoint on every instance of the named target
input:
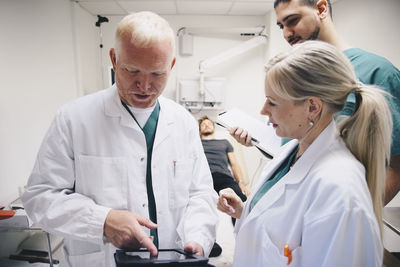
(50, 200)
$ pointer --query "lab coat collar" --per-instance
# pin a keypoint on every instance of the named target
(114, 108)
(319, 147)
(166, 121)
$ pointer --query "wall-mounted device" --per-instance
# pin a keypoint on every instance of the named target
(213, 97)
(203, 93)
(185, 35)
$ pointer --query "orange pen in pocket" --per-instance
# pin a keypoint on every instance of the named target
(288, 253)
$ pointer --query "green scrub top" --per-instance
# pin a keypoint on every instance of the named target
(278, 174)
(377, 70)
(149, 131)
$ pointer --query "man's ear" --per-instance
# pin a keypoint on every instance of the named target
(322, 8)
(113, 58)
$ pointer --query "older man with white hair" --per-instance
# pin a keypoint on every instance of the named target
(124, 167)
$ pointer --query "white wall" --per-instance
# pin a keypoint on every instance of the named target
(276, 42)
(50, 55)
(371, 25)
(87, 46)
(37, 75)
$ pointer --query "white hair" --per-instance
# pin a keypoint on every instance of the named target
(145, 29)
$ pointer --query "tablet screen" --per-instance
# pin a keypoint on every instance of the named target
(162, 255)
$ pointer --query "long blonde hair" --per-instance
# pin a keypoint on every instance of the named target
(315, 68)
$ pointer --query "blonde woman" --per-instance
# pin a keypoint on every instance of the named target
(319, 202)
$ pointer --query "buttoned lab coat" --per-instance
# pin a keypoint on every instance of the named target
(93, 158)
(321, 208)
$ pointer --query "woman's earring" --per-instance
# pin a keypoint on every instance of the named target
(311, 123)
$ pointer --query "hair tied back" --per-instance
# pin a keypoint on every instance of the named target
(357, 92)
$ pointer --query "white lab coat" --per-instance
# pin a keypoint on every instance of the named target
(93, 158)
(321, 208)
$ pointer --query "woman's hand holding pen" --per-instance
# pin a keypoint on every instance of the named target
(230, 203)
(241, 135)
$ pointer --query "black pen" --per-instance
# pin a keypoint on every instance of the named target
(254, 141)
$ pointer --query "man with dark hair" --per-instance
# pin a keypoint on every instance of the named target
(219, 153)
(302, 20)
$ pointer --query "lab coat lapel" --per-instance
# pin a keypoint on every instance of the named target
(114, 108)
(316, 150)
(265, 175)
(275, 163)
(319, 147)
(165, 123)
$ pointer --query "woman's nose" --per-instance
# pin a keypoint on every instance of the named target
(265, 110)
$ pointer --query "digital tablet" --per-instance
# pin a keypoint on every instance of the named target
(165, 257)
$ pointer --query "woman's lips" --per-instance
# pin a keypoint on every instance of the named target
(273, 124)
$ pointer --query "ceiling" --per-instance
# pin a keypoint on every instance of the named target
(178, 7)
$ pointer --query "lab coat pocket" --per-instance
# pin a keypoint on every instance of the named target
(182, 172)
(296, 257)
(274, 255)
(278, 254)
(92, 259)
(104, 179)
